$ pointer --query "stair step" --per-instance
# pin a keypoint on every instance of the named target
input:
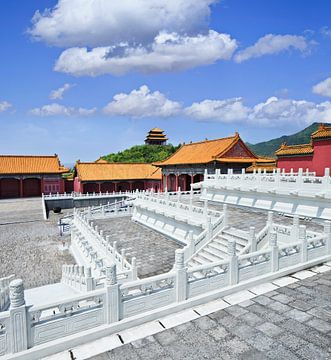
(220, 244)
(213, 247)
(231, 237)
(236, 232)
(209, 255)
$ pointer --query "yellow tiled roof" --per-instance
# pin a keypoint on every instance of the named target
(30, 164)
(301, 149)
(101, 161)
(322, 132)
(207, 151)
(117, 171)
(268, 166)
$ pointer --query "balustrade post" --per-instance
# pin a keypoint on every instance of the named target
(89, 279)
(205, 208)
(122, 258)
(89, 211)
(134, 268)
(233, 263)
(103, 211)
(274, 258)
(300, 178)
(225, 216)
(252, 239)
(181, 276)
(18, 317)
(112, 295)
(295, 227)
(303, 239)
(205, 175)
(191, 244)
(327, 232)
(326, 179)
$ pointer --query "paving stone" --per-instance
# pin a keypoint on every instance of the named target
(218, 333)
(246, 303)
(236, 310)
(126, 352)
(245, 331)
(150, 350)
(319, 325)
(270, 329)
(262, 300)
(252, 355)
(284, 299)
(301, 305)
(251, 319)
(280, 352)
(320, 313)
(278, 306)
(260, 342)
(312, 352)
(292, 342)
(205, 322)
(298, 315)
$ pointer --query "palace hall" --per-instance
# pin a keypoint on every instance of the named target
(188, 163)
(27, 175)
(315, 156)
(101, 176)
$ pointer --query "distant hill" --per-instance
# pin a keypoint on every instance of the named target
(268, 148)
(142, 153)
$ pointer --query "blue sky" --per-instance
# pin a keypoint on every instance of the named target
(196, 68)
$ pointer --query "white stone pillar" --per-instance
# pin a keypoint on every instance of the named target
(303, 239)
(181, 276)
(252, 239)
(134, 268)
(205, 208)
(18, 317)
(326, 179)
(233, 263)
(295, 227)
(113, 301)
(225, 216)
(274, 258)
(88, 279)
(327, 232)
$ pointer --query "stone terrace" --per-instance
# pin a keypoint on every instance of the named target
(291, 322)
(154, 252)
(29, 244)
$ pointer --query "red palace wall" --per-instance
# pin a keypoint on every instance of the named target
(317, 162)
(295, 163)
(322, 156)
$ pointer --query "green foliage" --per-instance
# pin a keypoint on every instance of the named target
(142, 154)
(268, 148)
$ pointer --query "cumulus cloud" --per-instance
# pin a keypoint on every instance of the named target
(272, 44)
(226, 111)
(61, 110)
(168, 52)
(131, 35)
(142, 103)
(5, 105)
(96, 23)
(58, 93)
(326, 31)
(323, 88)
(268, 113)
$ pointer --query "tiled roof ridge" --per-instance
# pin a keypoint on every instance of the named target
(31, 156)
(111, 163)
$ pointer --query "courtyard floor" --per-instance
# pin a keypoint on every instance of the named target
(291, 322)
(29, 244)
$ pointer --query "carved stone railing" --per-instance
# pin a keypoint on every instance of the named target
(24, 327)
(4, 291)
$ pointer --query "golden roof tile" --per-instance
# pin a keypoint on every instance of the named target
(322, 132)
(117, 171)
(31, 164)
(301, 149)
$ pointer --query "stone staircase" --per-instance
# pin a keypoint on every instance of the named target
(217, 249)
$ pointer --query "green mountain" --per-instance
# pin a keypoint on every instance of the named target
(142, 154)
(268, 148)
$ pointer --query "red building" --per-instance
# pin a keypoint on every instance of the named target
(101, 176)
(315, 156)
(188, 163)
(25, 176)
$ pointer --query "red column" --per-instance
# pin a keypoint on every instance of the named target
(176, 182)
(192, 179)
(130, 183)
(115, 186)
(99, 187)
(42, 185)
(21, 187)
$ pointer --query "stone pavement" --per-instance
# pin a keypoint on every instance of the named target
(155, 253)
(29, 244)
(291, 322)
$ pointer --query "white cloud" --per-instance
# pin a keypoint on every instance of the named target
(96, 23)
(326, 31)
(268, 113)
(323, 88)
(272, 44)
(168, 52)
(61, 110)
(58, 93)
(142, 103)
(225, 111)
(5, 105)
